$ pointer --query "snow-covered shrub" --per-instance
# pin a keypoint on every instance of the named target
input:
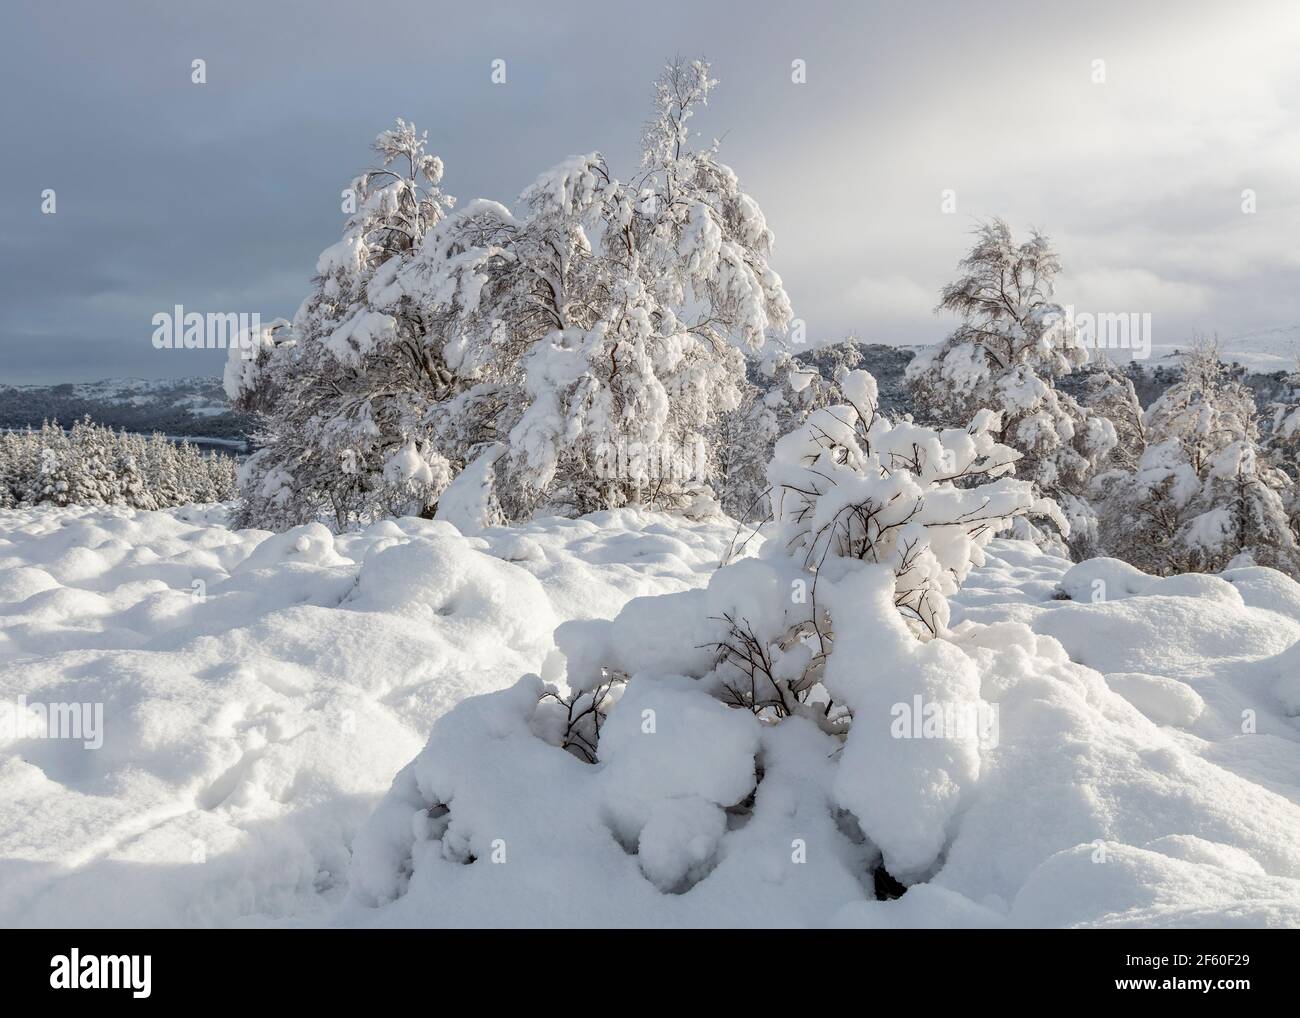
(94, 465)
(1203, 493)
(759, 705)
(782, 391)
(1013, 342)
(851, 484)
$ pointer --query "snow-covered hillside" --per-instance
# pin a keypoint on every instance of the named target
(1262, 352)
(198, 395)
(260, 693)
(181, 407)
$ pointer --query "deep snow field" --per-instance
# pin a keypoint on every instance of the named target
(261, 694)
(250, 730)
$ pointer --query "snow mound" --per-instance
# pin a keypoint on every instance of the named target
(1164, 701)
(535, 842)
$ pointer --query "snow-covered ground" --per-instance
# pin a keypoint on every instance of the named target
(260, 693)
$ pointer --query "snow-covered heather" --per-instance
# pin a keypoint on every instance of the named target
(259, 692)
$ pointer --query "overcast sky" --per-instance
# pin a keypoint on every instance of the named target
(220, 196)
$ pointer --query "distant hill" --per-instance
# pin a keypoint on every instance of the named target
(197, 408)
(886, 363)
(1263, 352)
(1260, 361)
(184, 407)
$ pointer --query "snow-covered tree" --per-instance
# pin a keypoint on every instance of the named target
(1109, 393)
(160, 464)
(796, 386)
(1014, 340)
(8, 475)
(52, 476)
(342, 398)
(93, 478)
(94, 465)
(1281, 440)
(595, 334)
(741, 440)
(603, 321)
(133, 484)
(19, 455)
(1203, 492)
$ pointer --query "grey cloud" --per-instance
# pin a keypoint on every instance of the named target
(220, 196)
